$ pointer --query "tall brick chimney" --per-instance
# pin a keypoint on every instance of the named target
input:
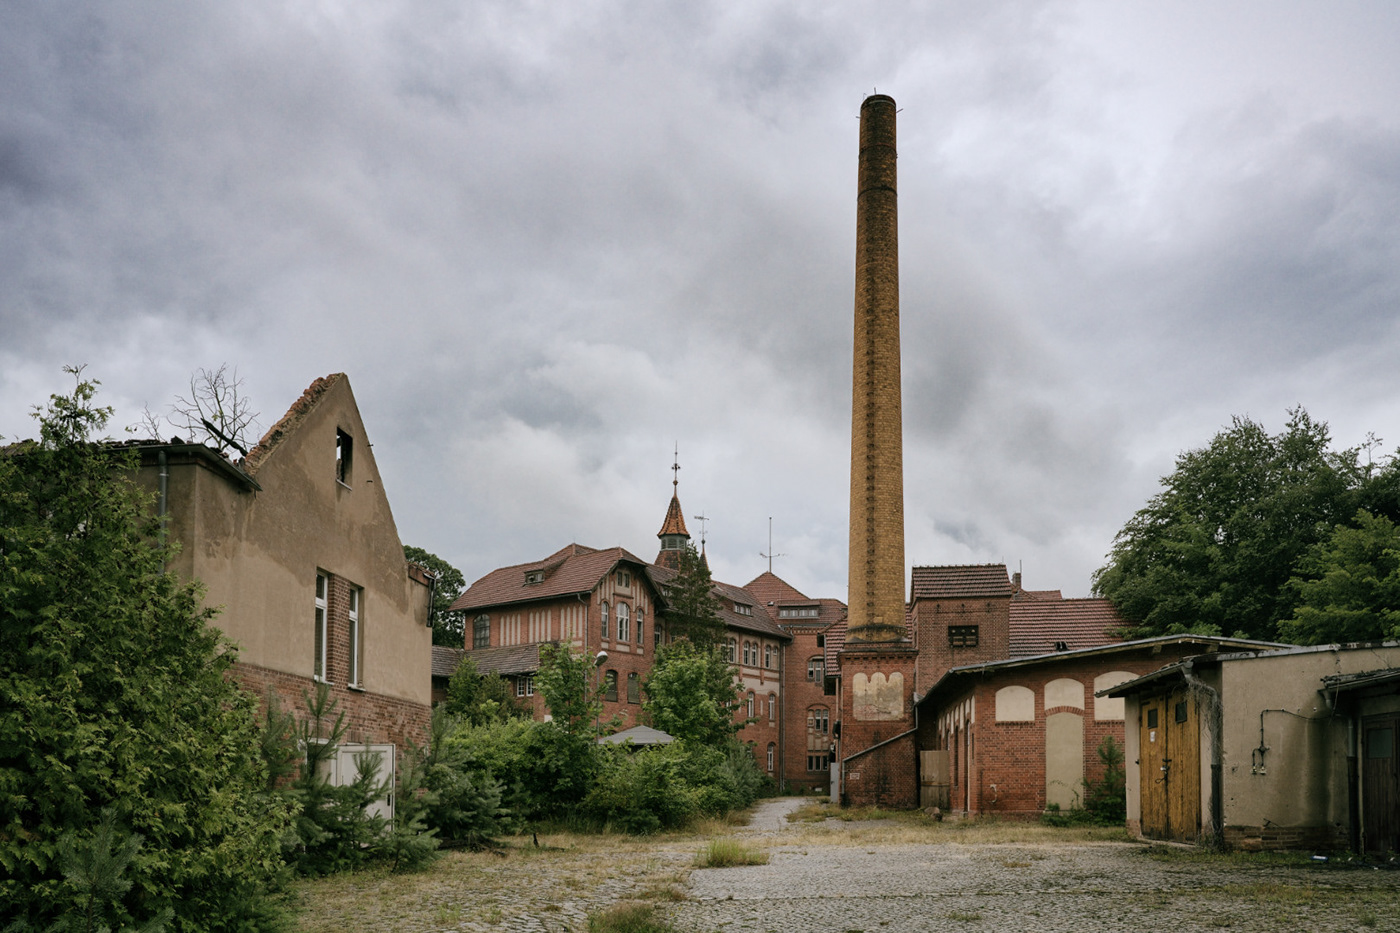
(876, 582)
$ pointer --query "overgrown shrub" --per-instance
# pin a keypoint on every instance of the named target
(1105, 800)
(115, 699)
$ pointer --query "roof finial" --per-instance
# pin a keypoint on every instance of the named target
(676, 468)
(702, 520)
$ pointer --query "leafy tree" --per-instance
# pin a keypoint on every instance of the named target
(449, 628)
(117, 716)
(1214, 550)
(692, 694)
(1348, 586)
(480, 698)
(463, 799)
(692, 609)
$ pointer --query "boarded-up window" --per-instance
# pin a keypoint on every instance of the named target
(1064, 692)
(1015, 704)
(1110, 708)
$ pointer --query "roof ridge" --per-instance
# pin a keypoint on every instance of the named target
(295, 415)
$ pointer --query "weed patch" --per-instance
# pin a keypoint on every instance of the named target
(728, 853)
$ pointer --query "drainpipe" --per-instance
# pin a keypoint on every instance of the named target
(1217, 754)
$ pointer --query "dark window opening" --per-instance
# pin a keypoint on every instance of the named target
(962, 636)
(1180, 711)
(343, 456)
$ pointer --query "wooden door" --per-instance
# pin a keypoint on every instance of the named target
(1169, 766)
(1153, 762)
(1380, 796)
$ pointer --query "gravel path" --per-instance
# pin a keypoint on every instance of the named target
(1060, 887)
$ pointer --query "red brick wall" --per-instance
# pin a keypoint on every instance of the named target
(369, 717)
(932, 617)
(1011, 755)
(798, 696)
(886, 776)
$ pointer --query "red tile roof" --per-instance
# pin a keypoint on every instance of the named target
(1038, 623)
(769, 587)
(571, 570)
(511, 659)
(675, 521)
(760, 621)
(956, 582)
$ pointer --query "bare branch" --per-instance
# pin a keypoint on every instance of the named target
(215, 411)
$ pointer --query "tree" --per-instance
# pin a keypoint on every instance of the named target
(448, 626)
(216, 412)
(118, 720)
(1214, 550)
(692, 694)
(692, 609)
(1348, 586)
(480, 698)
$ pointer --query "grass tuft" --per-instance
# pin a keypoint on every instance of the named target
(629, 917)
(728, 853)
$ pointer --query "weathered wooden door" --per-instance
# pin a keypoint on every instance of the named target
(1169, 767)
(1380, 799)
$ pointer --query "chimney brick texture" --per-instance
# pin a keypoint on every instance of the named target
(876, 596)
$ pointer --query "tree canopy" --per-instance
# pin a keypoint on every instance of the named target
(123, 743)
(1348, 586)
(1215, 551)
(692, 609)
(448, 626)
(691, 694)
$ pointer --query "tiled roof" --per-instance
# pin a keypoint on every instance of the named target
(1038, 623)
(728, 595)
(637, 735)
(1039, 594)
(294, 416)
(513, 659)
(955, 582)
(768, 587)
(446, 660)
(675, 521)
(568, 571)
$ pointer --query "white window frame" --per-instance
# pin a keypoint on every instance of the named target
(624, 623)
(603, 621)
(641, 638)
(356, 637)
(318, 663)
(816, 669)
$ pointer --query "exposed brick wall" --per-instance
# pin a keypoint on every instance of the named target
(888, 775)
(798, 696)
(1278, 838)
(999, 767)
(931, 621)
(369, 717)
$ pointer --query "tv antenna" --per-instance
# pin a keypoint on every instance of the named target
(702, 520)
(770, 555)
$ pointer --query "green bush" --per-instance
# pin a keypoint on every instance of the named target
(117, 718)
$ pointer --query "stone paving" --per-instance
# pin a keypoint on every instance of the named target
(1061, 887)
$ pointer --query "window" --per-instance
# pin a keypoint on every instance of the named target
(799, 612)
(816, 669)
(743, 610)
(640, 617)
(772, 753)
(729, 650)
(624, 624)
(356, 636)
(318, 663)
(634, 688)
(533, 577)
(818, 762)
(772, 706)
(821, 641)
(962, 636)
(624, 579)
(481, 631)
(819, 720)
(767, 655)
(603, 620)
(750, 704)
(525, 685)
(746, 654)
(610, 686)
(1179, 711)
(343, 448)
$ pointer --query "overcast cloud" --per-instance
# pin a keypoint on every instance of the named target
(548, 242)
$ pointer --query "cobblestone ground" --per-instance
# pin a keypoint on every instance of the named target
(833, 888)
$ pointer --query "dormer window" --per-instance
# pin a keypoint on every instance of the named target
(343, 451)
(533, 577)
(624, 579)
(743, 610)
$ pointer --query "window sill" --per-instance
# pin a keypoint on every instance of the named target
(342, 484)
(358, 688)
(321, 680)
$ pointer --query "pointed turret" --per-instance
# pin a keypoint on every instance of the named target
(673, 534)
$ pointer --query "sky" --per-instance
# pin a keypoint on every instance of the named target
(552, 244)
